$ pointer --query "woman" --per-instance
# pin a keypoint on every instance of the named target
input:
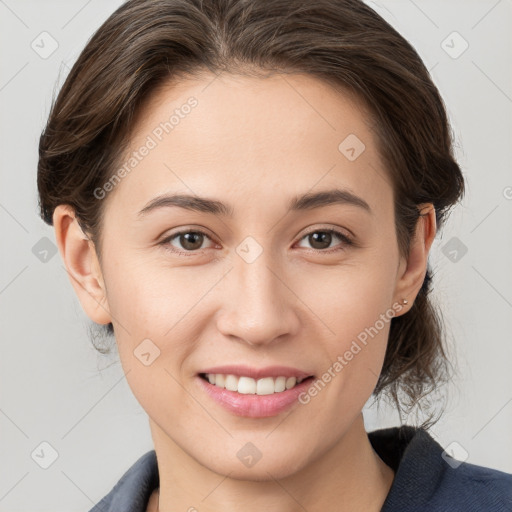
(245, 194)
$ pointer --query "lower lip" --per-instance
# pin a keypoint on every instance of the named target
(254, 406)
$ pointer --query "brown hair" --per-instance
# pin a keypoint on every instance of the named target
(146, 43)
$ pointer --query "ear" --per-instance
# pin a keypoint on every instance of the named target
(412, 271)
(79, 255)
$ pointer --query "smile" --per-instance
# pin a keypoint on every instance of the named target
(249, 386)
(253, 398)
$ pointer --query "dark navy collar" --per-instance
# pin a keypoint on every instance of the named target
(426, 478)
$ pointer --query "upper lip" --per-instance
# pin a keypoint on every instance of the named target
(258, 373)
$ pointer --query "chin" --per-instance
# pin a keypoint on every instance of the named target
(275, 467)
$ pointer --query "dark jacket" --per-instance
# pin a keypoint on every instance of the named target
(427, 479)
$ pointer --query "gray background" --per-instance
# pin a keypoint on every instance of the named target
(56, 389)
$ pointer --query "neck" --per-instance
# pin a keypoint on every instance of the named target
(349, 476)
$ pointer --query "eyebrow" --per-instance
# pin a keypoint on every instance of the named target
(308, 201)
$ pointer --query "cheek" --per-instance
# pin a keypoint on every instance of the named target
(353, 310)
(157, 314)
(348, 298)
(149, 297)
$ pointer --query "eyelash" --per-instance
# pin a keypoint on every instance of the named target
(347, 241)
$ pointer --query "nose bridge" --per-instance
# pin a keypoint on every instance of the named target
(259, 307)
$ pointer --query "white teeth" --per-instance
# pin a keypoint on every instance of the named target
(280, 384)
(249, 386)
(264, 386)
(246, 386)
(220, 380)
(290, 382)
(231, 383)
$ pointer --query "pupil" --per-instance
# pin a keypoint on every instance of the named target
(322, 238)
(187, 240)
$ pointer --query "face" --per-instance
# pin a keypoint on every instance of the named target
(262, 281)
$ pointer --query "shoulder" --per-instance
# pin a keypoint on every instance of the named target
(429, 479)
(476, 487)
(133, 490)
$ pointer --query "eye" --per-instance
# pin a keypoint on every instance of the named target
(321, 239)
(190, 240)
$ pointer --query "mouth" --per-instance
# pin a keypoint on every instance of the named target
(252, 392)
(250, 386)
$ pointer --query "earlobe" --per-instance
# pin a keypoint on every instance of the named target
(81, 263)
(412, 273)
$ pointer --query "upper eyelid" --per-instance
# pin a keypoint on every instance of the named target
(309, 229)
(335, 229)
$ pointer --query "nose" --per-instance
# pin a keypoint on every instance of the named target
(258, 306)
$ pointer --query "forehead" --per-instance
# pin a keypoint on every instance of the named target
(255, 139)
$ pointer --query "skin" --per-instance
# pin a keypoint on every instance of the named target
(253, 143)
